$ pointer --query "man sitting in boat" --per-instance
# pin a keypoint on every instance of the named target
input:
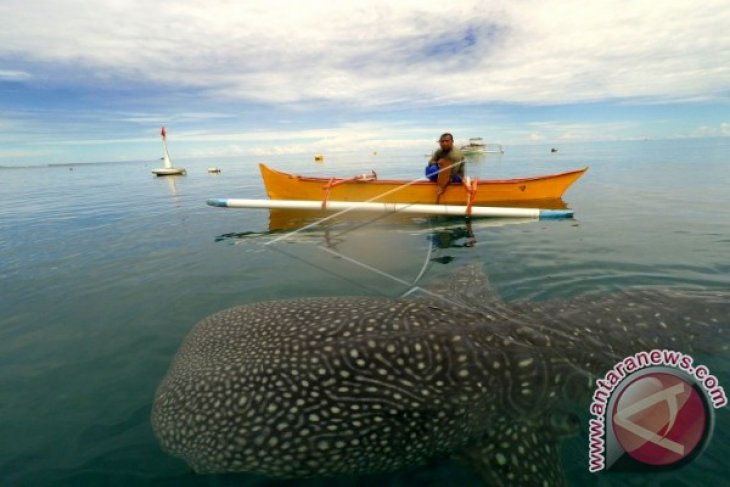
(446, 164)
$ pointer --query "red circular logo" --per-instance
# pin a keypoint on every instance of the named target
(659, 419)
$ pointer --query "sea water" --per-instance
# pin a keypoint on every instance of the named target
(104, 269)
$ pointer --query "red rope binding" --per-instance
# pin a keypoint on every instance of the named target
(332, 183)
(327, 189)
(471, 192)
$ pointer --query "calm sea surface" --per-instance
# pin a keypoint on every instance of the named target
(105, 269)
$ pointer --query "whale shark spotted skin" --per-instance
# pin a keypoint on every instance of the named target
(340, 386)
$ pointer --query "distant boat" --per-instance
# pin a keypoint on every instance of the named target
(168, 170)
(553, 150)
(476, 145)
(214, 170)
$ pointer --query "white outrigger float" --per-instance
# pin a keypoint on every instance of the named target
(168, 170)
(345, 206)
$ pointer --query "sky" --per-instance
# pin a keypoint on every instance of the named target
(93, 81)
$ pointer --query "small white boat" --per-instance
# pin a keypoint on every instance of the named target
(214, 170)
(168, 170)
(476, 145)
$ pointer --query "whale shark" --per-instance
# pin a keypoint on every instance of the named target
(329, 386)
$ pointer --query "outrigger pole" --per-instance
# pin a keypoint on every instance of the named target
(454, 210)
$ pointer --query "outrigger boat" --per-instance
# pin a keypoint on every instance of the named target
(365, 188)
(536, 197)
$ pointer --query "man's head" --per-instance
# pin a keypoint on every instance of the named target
(446, 141)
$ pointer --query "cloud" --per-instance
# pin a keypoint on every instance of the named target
(22, 154)
(723, 130)
(10, 75)
(342, 137)
(378, 53)
(159, 118)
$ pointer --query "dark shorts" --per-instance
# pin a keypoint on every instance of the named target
(432, 174)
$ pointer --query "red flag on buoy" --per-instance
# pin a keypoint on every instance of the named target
(162, 132)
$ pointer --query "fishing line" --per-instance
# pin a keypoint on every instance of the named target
(332, 273)
(390, 276)
(423, 269)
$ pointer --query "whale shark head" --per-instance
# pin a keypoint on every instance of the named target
(340, 386)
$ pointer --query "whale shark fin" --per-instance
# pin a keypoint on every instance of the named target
(516, 454)
(621, 324)
(466, 286)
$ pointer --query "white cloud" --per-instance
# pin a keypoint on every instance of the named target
(159, 119)
(13, 75)
(723, 130)
(22, 154)
(338, 138)
(378, 52)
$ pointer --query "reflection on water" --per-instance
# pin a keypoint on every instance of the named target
(383, 254)
(376, 252)
(443, 231)
(455, 237)
(289, 220)
(172, 185)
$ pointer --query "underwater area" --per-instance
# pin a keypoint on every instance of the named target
(106, 269)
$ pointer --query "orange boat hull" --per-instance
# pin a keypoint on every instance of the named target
(285, 186)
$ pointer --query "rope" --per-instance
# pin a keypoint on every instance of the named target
(471, 196)
(414, 284)
(327, 189)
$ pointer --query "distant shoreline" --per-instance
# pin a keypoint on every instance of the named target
(74, 164)
(547, 145)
